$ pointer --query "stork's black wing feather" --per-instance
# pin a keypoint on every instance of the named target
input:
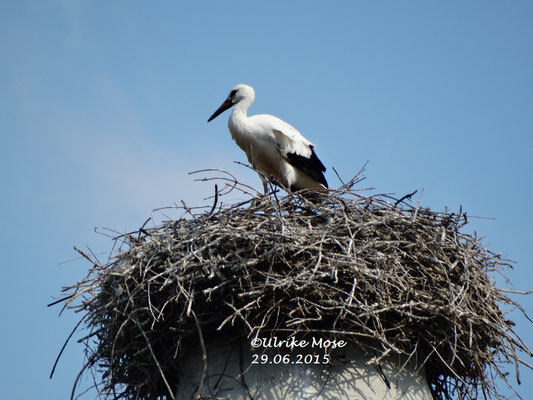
(311, 166)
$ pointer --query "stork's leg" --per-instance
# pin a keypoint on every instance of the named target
(265, 187)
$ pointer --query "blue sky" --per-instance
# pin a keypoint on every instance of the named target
(104, 108)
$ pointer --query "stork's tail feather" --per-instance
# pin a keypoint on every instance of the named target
(311, 166)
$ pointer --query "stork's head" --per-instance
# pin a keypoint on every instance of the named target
(238, 93)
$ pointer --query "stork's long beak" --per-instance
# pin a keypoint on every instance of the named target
(223, 107)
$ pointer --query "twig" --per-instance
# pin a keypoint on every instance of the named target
(407, 196)
(214, 201)
(204, 358)
(162, 374)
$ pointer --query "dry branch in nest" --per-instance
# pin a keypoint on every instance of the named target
(362, 268)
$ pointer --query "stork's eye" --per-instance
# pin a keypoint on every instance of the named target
(232, 94)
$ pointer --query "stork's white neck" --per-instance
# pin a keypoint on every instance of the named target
(237, 120)
(242, 106)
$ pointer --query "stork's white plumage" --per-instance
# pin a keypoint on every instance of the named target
(274, 148)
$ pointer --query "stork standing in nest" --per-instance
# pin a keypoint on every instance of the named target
(275, 149)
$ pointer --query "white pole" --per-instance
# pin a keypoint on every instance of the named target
(239, 372)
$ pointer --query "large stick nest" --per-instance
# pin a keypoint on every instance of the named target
(362, 268)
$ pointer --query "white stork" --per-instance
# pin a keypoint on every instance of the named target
(274, 148)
